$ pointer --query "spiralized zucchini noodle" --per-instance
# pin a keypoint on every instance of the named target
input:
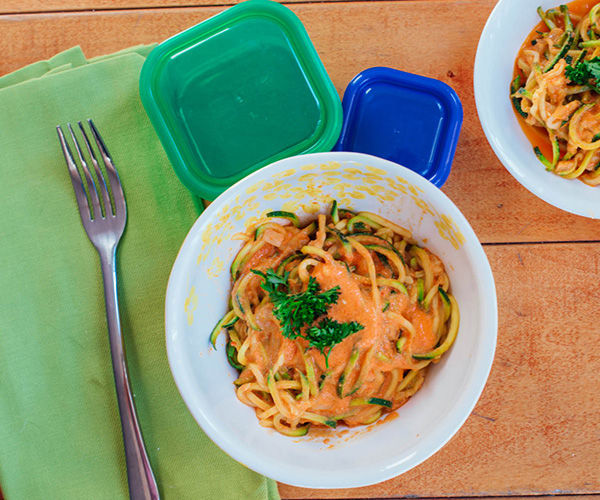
(335, 321)
(556, 87)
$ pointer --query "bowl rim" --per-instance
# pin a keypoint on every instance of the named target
(462, 407)
(563, 203)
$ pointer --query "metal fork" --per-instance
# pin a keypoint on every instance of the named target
(105, 231)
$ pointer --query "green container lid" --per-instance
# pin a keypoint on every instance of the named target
(237, 92)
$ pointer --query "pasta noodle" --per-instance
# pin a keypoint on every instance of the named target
(556, 90)
(334, 322)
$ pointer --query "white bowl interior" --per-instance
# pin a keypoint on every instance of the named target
(198, 294)
(506, 29)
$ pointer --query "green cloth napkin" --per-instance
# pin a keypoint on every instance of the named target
(60, 433)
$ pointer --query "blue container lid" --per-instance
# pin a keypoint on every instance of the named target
(408, 119)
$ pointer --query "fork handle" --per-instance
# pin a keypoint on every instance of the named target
(142, 485)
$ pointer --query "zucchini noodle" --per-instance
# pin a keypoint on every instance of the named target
(549, 99)
(396, 290)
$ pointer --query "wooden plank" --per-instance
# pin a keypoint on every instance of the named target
(535, 429)
(23, 6)
(364, 34)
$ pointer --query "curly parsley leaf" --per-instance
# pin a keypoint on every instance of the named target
(274, 284)
(328, 333)
(577, 74)
(593, 67)
(585, 73)
(299, 311)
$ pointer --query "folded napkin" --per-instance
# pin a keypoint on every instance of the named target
(60, 433)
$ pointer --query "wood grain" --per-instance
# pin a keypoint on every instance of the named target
(536, 427)
(23, 6)
(499, 209)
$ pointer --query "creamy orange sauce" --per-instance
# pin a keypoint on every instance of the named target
(425, 339)
(354, 304)
(388, 418)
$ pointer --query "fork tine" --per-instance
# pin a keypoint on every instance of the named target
(113, 176)
(76, 179)
(93, 193)
(99, 175)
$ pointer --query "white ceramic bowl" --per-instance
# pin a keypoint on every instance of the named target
(505, 31)
(197, 297)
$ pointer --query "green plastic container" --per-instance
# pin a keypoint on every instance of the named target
(237, 92)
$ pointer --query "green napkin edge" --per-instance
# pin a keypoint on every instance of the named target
(142, 50)
(68, 59)
(73, 56)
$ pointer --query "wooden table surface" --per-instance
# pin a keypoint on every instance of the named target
(536, 428)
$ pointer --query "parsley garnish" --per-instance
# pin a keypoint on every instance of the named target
(298, 311)
(585, 73)
(272, 282)
(328, 332)
(301, 309)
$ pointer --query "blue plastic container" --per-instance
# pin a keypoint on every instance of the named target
(408, 119)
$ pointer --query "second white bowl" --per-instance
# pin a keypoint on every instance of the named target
(505, 31)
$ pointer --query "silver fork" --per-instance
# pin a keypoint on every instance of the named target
(105, 231)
